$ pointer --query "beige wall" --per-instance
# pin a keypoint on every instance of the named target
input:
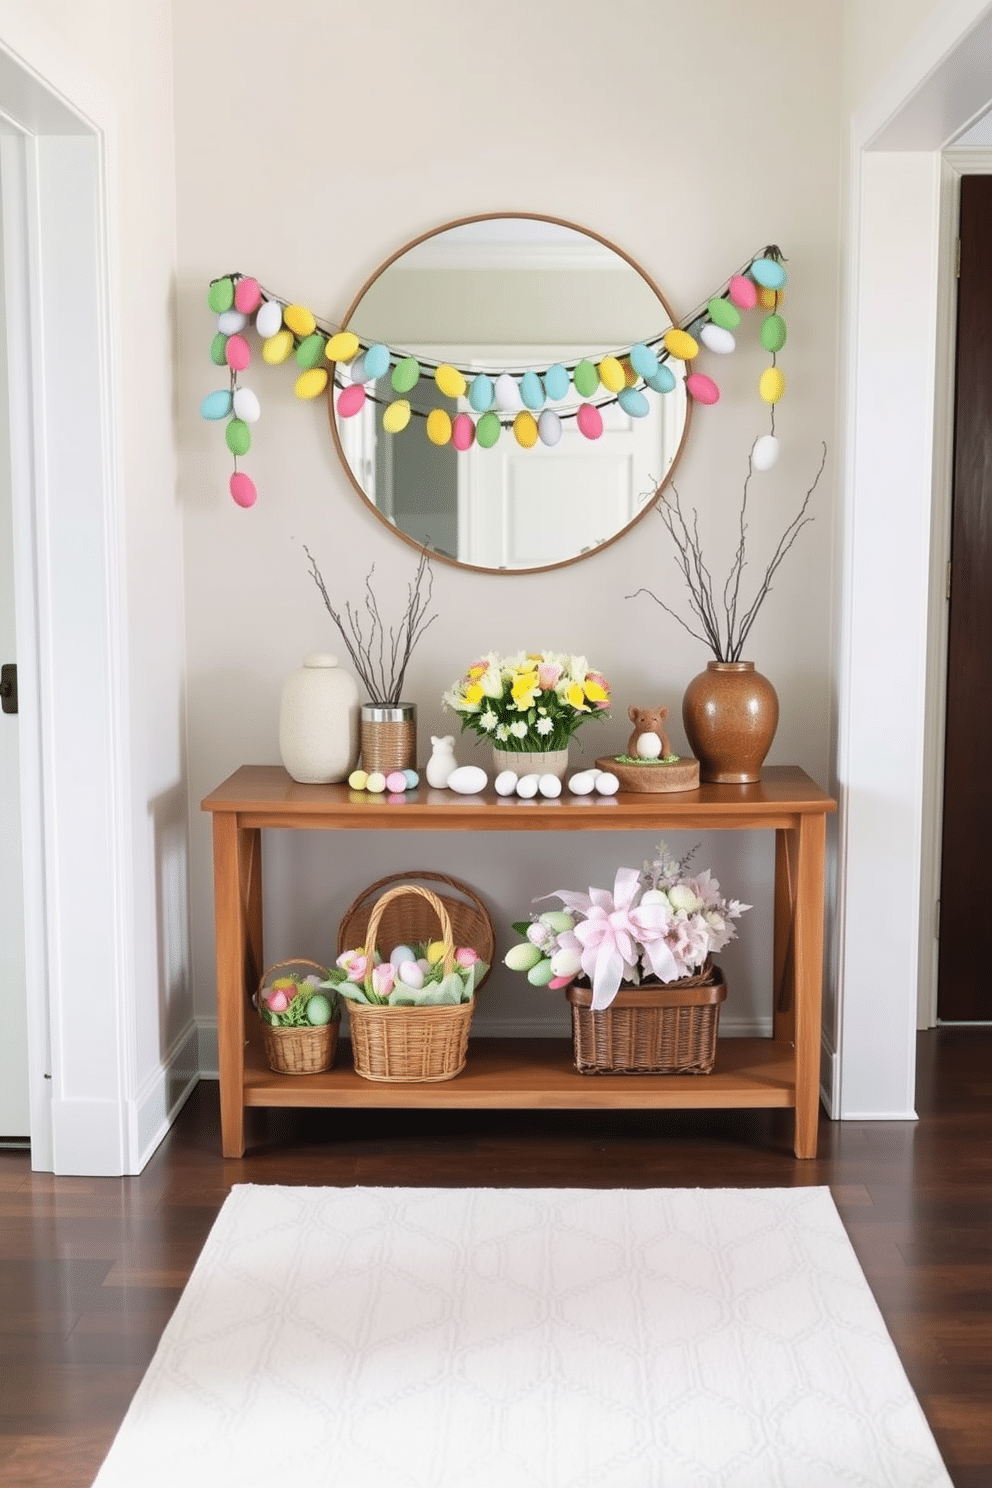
(312, 141)
(876, 32)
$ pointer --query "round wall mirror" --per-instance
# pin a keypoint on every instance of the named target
(523, 453)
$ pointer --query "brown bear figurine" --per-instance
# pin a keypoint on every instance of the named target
(649, 739)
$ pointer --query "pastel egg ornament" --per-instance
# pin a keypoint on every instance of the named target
(662, 381)
(462, 431)
(467, 780)
(680, 344)
(242, 489)
(585, 379)
(723, 313)
(217, 353)
(644, 360)
(216, 405)
(238, 436)
(229, 322)
(439, 427)
(450, 382)
(342, 347)
(405, 375)
(507, 393)
(769, 273)
(549, 428)
(396, 416)
(247, 296)
(300, 320)
(589, 420)
(246, 405)
(480, 393)
(488, 430)
(311, 382)
(532, 392)
(765, 452)
(525, 429)
(310, 351)
(268, 319)
(611, 374)
(376, 361)
(702, 388)
(770, 299)
(771, 385)
(633, 402)
(220, 295)
(351, 400)
(719, 339)
(743, 292)
(557, 382)
(773, 333)
(278, 348)
(238, 353)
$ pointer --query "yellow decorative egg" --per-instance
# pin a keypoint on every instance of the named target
(771, 384)
(278, 348)
(435, 952)
(396, 416)
(680, 344)
(438, 426)
(300, 320)
(525, 429)
(769, 299)
(311, 383)
(450, 381)
(342, 347)
(611, 374)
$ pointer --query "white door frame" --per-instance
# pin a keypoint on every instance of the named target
(69, 556)
(895, 383)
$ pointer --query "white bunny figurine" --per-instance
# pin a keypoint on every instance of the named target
(442, 761)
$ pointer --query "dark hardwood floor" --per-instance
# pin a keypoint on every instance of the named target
(90, 1269)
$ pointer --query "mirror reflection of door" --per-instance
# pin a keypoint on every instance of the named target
(964, 991)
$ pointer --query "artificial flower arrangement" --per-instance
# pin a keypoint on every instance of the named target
(412, 976)
(661, 923)
(295, 1001)
(529, 701)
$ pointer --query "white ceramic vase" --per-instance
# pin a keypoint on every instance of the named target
(318, 721)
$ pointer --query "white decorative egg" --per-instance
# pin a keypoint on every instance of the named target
(607, 784)
(230, 322)
(765, 452)
(581, 784)
(648, 745)
(718, 338)
(246, 405)
(468, 780)
(550, 786)
(507, 390)
(268, 320)
(527, 786)
(505, 783)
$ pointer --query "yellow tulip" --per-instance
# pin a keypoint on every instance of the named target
(595, 692)
(474, 694)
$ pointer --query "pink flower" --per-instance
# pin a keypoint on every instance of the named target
(383, 979)
(358, 967)
(548, 675)
(599, 680)
(465, 956)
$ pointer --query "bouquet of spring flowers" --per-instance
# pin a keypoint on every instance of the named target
(295, 1001)
(413, 976)
(662, 923)
(530, 701)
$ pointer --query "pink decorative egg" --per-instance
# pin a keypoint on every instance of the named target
(462, 432)
(351, 400)
(702, 388)
(589, 420)
(396, 781)
(238, 353)
(242, 489)
(247, 296)
(743, 292)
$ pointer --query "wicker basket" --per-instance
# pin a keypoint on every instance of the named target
(658, 1028)
(299, 1051)
(408, 919)
(409, 1044)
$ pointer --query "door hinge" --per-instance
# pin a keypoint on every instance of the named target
(936, 920)
(8, 687)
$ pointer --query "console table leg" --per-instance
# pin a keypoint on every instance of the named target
(237, 908)
(808, 953)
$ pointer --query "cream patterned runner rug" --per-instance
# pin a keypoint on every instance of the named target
(525, 1338)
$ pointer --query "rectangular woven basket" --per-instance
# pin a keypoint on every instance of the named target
(658, 1028)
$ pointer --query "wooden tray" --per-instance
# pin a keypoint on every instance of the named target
(653, 775)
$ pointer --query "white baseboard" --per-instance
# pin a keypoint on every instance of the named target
(163, 1095)
(829, 1076)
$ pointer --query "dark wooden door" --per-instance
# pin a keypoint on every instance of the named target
(964, 984)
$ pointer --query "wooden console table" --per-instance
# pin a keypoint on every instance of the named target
(783, 1070)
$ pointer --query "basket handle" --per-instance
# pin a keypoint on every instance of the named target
(372, 930)
(296, 961)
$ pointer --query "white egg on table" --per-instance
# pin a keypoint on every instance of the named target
(468, 780)
(505, 783)
(649, 746)
(549, 786)
(607, 784)
(527, 786)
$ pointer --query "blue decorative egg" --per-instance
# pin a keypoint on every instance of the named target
(644, 361)
(768, 272)
(480, 393)
(663, 380)
(557, 382)
(216, 405)
(376, 360)
(532, 390)
(633, 402)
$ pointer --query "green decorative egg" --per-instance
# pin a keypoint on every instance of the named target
(310, 351)
(541, 974)
(238, 436)
(773, 333)
(523, 957)
(217, 346)
(489, 430)
(220, 296)
(722, 313)
(585, 379)
(406, 375)
(318, 1010)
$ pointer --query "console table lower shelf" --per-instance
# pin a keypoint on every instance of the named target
(538, 1074)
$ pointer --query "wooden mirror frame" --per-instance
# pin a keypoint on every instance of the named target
(442, 557)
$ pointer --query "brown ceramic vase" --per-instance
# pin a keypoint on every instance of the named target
(730, 714)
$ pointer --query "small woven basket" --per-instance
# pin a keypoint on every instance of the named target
(299, 1051)
(658, 1028)
(408, 919)
(410, 1044)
